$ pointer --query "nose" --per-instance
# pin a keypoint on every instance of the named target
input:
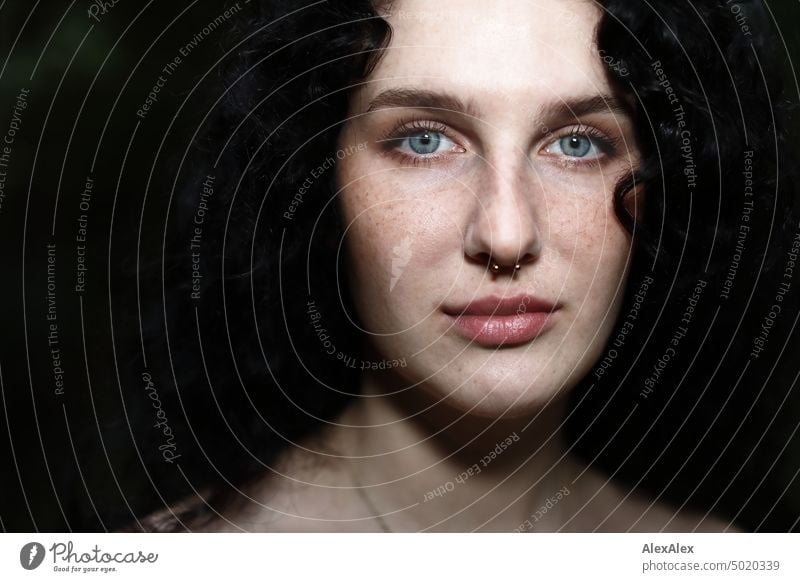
(503, 226)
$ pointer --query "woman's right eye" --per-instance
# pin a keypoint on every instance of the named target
(420, 142)
(426, 142)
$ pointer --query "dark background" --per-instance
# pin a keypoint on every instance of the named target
(87, 80)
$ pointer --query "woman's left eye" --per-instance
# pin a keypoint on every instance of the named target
(575, 146)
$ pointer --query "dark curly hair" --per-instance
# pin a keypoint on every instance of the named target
(242, 373)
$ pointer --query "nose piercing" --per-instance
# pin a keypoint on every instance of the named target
(496, 268)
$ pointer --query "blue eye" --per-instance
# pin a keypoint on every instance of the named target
(425, 141)
(576, 146)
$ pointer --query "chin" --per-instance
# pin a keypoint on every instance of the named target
(501, 394)
(490, 383)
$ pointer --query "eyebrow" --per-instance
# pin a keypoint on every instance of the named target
(422, 99)
(570, 108)
(586, 106)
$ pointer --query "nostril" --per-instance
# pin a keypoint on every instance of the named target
(496, 267)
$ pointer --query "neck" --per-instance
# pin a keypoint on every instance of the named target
(424, 465)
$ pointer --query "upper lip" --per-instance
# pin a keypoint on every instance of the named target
(498, 305)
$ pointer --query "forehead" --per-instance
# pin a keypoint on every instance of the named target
(507, 47)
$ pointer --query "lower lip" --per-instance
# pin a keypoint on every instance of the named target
(496, 330)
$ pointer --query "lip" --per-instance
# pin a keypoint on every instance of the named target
(495, 320)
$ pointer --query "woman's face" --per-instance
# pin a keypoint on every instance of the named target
(486, 134)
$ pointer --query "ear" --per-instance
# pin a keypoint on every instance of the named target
(634, 201)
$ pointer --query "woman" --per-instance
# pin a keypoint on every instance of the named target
(430, 224)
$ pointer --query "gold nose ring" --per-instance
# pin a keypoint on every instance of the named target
(496, 267)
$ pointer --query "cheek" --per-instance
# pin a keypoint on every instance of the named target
(398, 244)
(591, 245)
(389, 226)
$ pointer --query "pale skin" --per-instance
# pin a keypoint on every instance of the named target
(512, 140)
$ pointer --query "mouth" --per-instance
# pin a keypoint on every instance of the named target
(497, 321)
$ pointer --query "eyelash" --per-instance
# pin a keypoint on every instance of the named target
(407, 127)
(606, 144)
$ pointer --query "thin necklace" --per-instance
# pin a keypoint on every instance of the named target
(367, 501)
(558, 508)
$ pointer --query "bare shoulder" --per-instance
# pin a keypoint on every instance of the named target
(169, 519)
(622, 509)
(265, 504)
(302, 492)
